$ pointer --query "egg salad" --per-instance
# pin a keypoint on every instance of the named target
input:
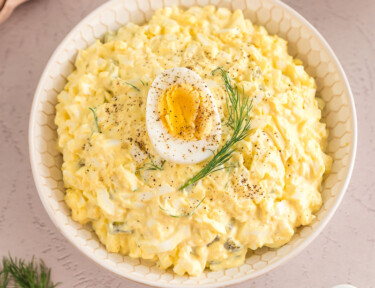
(191, 140)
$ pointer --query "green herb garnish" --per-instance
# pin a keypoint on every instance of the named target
(119, 228)
(143, 83)
(183, 214)
(17, 273)
(95, 118)
(152, 166)
(131, 85)
(239, 107)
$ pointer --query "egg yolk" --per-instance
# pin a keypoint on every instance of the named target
(185, 112)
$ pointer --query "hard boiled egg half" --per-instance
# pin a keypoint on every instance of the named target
(182, 119)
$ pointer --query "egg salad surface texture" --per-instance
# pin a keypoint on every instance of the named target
(116, 180)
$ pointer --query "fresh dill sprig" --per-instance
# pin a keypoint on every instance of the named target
(151, 166)
(4, 276)
(131, 85)
(183, 214)
(25, 275)
(95, 118)
(239, 107)
(143, 83)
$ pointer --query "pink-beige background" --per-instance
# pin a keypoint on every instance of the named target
(343, 253)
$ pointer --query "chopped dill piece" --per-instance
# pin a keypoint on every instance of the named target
(96, 119)
(119, 228)
(131, 85)
(152, 166)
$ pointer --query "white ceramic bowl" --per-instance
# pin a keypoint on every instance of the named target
(304, 42)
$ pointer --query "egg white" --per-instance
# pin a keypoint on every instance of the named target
(171, 148)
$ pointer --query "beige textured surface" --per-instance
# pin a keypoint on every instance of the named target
(37, 224)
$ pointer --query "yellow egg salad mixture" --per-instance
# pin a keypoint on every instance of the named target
(117, 181)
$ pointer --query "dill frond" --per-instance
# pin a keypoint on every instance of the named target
(152, 166)
(239, 107)
(25, 275)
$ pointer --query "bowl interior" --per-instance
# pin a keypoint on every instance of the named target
(304, 43)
